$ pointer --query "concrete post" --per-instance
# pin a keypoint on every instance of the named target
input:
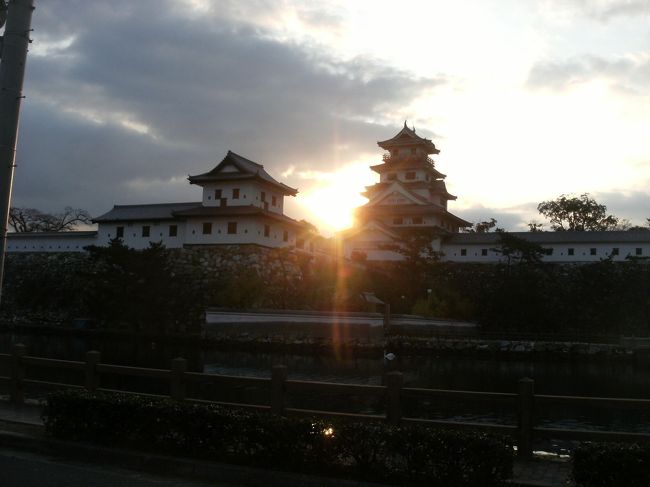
(12, 72)
(177, 378)
(18, 374)
(394, 381)
(278, 388)
(92, 376)
(525, 400)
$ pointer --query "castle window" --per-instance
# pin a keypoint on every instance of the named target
(285, 236)
(235, 193)
(548, 251)
(207, 228)
(146, 229)
(398, 220)
(391, 176)
(274, 201)
(417, 220)
(570, 251)
(263, 196)
(173, 230)
(463, 252)
(217, 194)
(484, 252)
(267, 230)
(120, 232)
(615, 251)
(593, 251)
(232, 228)
(638, 251)
(410, 175)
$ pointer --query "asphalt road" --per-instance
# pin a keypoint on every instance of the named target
(21, 469)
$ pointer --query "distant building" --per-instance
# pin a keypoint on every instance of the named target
(241, 204)
(411, 195)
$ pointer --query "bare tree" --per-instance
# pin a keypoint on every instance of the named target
(33, 220)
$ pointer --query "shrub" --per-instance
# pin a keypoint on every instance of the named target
(369, 451)
(612, 465)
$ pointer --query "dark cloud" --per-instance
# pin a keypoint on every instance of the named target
(603, 11)
(144, 95)
(624, 74)
(511, 219)
(629, 205)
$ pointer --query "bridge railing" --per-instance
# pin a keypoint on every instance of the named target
(280, 387)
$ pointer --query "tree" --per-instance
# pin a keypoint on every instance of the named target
(483, 227)
(519, 249)
(533, 226)
(638, 228)
(577, 213)
(33, 220)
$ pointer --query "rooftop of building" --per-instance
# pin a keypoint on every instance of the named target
(244, 169)
(554, 237)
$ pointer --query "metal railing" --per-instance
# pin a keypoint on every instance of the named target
(280, 388)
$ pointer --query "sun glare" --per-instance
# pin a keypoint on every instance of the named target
(333, 197)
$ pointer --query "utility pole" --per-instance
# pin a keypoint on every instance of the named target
(12, 72)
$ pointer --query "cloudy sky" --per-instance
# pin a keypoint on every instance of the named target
(526, 99)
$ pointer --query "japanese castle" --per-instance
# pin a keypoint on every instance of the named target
(242, 204)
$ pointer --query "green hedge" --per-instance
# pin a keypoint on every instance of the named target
(370, 451)
(612, 465)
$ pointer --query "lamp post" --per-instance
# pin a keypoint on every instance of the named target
(12, 72)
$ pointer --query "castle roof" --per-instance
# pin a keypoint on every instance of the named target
(615, 237)
(160, 211)
(407, 137)
(234, 167)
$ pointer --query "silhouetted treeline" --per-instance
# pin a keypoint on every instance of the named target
(148, 290)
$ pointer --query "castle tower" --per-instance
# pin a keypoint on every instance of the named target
(411, 194)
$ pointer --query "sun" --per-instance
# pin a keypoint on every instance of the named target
(332, 197)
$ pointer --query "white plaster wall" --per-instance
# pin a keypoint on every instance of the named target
(158, 232)
(250, 193)
(63, 243)
(560, 252)
(250, 230)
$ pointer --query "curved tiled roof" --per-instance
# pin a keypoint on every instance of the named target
(160, 211)
(554, 237)
(248, 169)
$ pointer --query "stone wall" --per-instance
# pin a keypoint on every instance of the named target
(52, 284)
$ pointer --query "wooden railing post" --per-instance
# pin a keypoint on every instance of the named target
(278, 387)
(525, 400)
(92, 376)
(177, 377)
(386, 321)
(394, 381)
(18, 374)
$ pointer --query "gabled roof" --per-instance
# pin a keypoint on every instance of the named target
(397, 187)
(161, 211)
(408, 137)
(437, 186)
(403, 210)
(369, 225)
(243, 169)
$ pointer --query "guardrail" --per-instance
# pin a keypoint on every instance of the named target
(280, 387)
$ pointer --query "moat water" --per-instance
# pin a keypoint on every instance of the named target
(587, 377)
